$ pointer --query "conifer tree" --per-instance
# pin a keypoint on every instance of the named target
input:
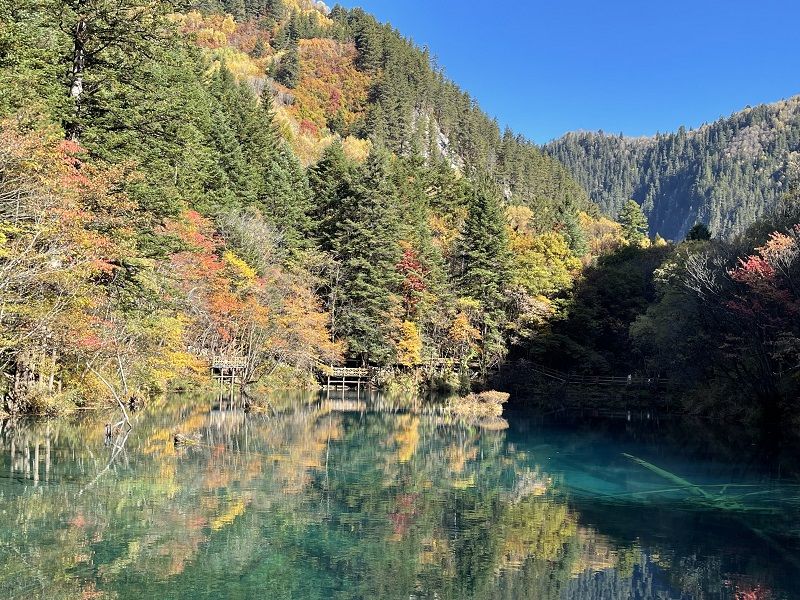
(699, 233)
(331, 181)
(259, 50)
(572, 231)
(366, 245)
(634, 223)
(482, 267)
(288, 72)
(370, 47)
(286, 198)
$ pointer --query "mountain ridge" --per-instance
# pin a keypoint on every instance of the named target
(725, 174)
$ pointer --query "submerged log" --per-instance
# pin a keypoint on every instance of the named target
(186, 440)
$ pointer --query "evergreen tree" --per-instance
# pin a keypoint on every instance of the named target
(286, 198)
(634, 223)
(571, 228)
(259, 49)
(366, 246)
(482, 268)
(288, 72)
(370, 47)
(698, 233)
(714, 174)
(31, 67)
(331, 181)
(236, 8)
(275, 9)
(281, 38)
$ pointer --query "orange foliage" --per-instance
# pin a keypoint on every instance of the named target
(329, 84)
(273, 318)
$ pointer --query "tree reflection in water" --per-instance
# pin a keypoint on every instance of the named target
(322, 499)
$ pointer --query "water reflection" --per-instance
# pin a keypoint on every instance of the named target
(383, 498)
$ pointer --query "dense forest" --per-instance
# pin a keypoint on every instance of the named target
(715, 320)
(267, 180)
(295, 186)
(725, 175)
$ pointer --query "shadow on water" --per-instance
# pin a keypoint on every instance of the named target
(372, 496)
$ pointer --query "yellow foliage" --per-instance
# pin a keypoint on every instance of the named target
(463, 484)
(545, 264)
(308, 147)
(236, 509)
(241, 271)
(356, 149)
(241, 65)
(407, 438)
(519, 219)
(602, 235)
(329, 85)
(208, 31)
(409, 347)
(535, 527)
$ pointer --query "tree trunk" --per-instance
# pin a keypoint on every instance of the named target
(51, 381)
(76, 75)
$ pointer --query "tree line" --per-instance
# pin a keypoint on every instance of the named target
(717, 318)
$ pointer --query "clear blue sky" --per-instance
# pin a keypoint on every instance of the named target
(631, 66)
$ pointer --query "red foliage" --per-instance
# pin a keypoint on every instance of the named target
(413, 274)
(753, 271)
(308, 128)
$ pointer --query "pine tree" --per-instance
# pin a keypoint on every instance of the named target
(573, 232)
(331, 181)
(286, 199)
(288, 72)
(634, 223)
(275, 9)
(482, 268)
(259, 49)
(366, 245)
(281, 38)
(236, 8)
(109, 44)
(699, 233)
(370, 47)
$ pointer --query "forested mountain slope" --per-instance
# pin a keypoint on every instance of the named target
(264, 179)
(725, 175)
(341, 72)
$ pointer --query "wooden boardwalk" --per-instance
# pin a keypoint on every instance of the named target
(599, 380)
(228, 368)
(342, 376)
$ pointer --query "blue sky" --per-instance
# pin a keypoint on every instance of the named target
(631, 66)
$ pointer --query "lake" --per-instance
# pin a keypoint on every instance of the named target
(388, 499)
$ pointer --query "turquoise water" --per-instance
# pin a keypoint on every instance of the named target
(350, 500)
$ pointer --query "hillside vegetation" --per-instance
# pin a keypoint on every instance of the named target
(726, 174)
(288, 186)
(261, 179)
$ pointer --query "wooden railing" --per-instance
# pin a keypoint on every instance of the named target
(344, 373)
(598, 380)
(228, 362)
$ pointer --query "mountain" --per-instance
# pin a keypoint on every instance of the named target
(726, 174)
(265, 180)
(341, 73)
